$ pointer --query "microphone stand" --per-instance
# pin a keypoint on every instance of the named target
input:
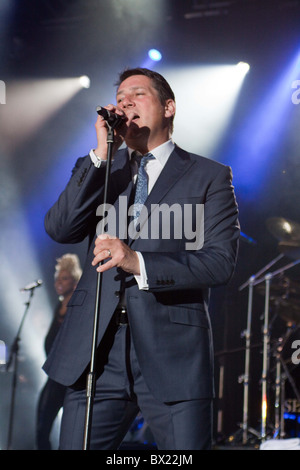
(90, 383)
(14, 351)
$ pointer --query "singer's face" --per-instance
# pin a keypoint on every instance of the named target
(148, 124)
(64, 283)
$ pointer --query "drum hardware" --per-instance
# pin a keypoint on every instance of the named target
(265, 367)
(289, 311)
(282, 374)
(278, 423)
(292, 250)
(285, 295)
(253, 280)
(284, 230)
(288, 233)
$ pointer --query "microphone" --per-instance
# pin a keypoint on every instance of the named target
(113, 119)
(32, 286)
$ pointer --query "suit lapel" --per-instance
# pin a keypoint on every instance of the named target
(121, 173)
(177, 165)
(122, 190)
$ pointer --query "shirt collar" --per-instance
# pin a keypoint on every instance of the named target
(161, 153)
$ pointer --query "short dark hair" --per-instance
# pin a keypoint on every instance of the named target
(165, 92)
(161, 85)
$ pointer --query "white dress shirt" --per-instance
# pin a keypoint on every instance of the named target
(153, 169)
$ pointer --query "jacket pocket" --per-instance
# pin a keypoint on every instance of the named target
(188, 316)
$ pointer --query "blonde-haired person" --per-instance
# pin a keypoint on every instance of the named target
(67, 274)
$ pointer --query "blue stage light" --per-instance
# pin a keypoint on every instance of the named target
(260, 136)
(155, 55)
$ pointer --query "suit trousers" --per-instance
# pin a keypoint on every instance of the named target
(120, 394)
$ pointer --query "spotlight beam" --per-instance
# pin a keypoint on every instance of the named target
(261, 133)
(30, 103)
(204, 109)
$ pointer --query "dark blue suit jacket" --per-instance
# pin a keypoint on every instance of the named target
(170, 322)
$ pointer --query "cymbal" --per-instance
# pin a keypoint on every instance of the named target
(289, 311)
(285, 230)
(285, 297)
(281, 286)
(291, 250)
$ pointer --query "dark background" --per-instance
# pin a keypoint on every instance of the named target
(49, 41)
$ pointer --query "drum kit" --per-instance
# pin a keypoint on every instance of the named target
(282, 296)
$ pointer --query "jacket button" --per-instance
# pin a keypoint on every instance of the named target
(117, 293)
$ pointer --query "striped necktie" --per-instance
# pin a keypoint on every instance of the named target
(141, 191)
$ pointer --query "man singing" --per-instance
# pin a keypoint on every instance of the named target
(155, 352)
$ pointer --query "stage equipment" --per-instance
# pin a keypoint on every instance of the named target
(284, 230)
(288, 234)
(91, 376)
(283, 374)
(14, 359)
(285, 296)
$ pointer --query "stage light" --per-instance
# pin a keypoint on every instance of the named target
(154, 55)
(36, 101)
(206, 97)
(260, 134)
(85, 81)
(14, 222)
(243, 67)
(264, 409)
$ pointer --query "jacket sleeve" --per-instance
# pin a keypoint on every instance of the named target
(73, 216)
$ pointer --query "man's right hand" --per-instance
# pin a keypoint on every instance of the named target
(101, 132)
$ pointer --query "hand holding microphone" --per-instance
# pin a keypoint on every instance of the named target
(108, 117)
(113, 119)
